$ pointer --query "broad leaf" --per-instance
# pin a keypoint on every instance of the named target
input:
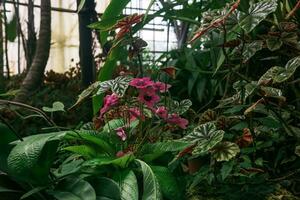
(274, 43)
(205, 136)
(106, 189)
(167, 183)
(279, 74)
(6, 136)
(226, 169)
(183, 106)
(121, 162)
(151, 189)
(86, 151)
(225, 151)
(128, 184)
(31, 159)
(94, 139)
(256, 13)
(56, 106)
(250, 49)
(120, 85)
(86, 93)
(74, 189)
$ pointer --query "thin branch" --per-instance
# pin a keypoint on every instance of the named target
(28, 107)
(292, 13)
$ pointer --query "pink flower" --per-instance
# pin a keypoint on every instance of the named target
(177, 120)
(161, 87)
(109, 101)
(121, 133)
(120, 154)
(148, 96)
(141, 83)
(135, 113)
(162, 112)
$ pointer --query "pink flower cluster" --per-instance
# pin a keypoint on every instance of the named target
(148, 94)
(148, 90)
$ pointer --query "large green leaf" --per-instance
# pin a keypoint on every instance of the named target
(128, 185)
(225, 151)
(86, 151)
(93, 139)
(205, 136)
(256, 13)
(106, 189)
(6, 136)
(74, 189)
(167, 183)
(151, 189)
(31, 159)
(121, 162)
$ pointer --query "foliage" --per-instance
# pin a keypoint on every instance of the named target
(231, 133)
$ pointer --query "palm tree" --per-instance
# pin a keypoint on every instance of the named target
(35, 74)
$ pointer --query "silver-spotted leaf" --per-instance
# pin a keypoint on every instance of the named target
(205, 136)
(120, 85)
(225, 151)
(182, 106)
(256, 13)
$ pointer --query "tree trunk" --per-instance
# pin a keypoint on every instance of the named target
(1, 56)
(86, 16)
(35, 74)
(31, 36)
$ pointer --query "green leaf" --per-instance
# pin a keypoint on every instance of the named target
(128, 184)
(168, 146)
(106, 189)
(6, 190)
(86, 93)
(225, 151)
(167, 183)
(56, 106)
(83, 150)
(274, 43)
(121, 162)
(250, 49)
(205, 136)
(32, 192)
(120, 85)
(148, 9)
(226, 169)
(6, 136)
(31, 159)
(151, 189)
(183, 106)
(74, 189)
(256, 13)
(280, 74)
(94, 139)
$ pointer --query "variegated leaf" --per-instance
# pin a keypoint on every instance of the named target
(206, 136)
(183, 106)
(225, 151)
(120, 85)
